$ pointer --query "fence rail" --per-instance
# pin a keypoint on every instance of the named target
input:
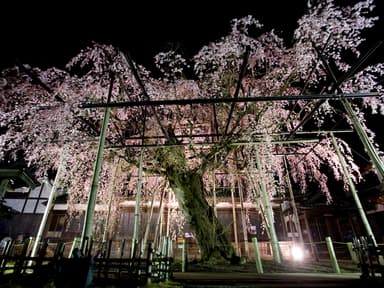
(15, 263)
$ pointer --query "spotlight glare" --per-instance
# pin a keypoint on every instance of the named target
(297, 253)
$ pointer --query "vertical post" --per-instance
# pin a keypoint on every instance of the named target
(243, 220)
(352, 252)
(122, 248)
(149, 219)
(75, 244)
(353, 190)
(19, 264)
(47, 209)
(214, 192)
(149, 262)
(164, 257)
(169, 214)
(168, 258)
(259, 265)
(164, 249)
(310, 238)
(88, 220)
(49, 203)
(184, 257)
(268, 210)
(109, 249)
(214, 204)
(135, 238)
(59, 251)
(237, 249)
(332, 255)
(293, 203)
(159, 225)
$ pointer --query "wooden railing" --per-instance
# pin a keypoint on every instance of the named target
(17, 264)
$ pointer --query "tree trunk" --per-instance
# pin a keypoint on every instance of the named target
(208, 231)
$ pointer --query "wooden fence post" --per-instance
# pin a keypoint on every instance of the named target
(149, 262)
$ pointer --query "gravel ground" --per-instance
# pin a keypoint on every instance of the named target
(270, 266)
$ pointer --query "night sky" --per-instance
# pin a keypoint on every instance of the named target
(46, 35)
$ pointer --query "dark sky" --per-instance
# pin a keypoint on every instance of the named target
(43, 34)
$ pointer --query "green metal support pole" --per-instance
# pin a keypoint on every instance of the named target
(268, 211)
(49, 205)
(88, 221)
(135, 238)
(352, 253)
(75, 244)
(353, 190)
(332, 255)
(234, 221)
(369, 148)
(259, 264)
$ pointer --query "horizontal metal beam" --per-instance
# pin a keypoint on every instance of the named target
(207, 135)
(227, 100)
(236, 143)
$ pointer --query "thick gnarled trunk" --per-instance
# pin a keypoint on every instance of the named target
(208, 230)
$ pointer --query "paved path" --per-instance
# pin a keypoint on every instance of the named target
(281, 280)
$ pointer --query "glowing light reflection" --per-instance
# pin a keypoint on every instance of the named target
(297, 253)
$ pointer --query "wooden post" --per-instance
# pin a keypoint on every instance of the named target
(122, 248)
(149, 262)
(184, 257)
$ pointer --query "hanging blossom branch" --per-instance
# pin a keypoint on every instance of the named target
(33, 124)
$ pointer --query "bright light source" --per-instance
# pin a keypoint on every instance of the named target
(297, 253)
